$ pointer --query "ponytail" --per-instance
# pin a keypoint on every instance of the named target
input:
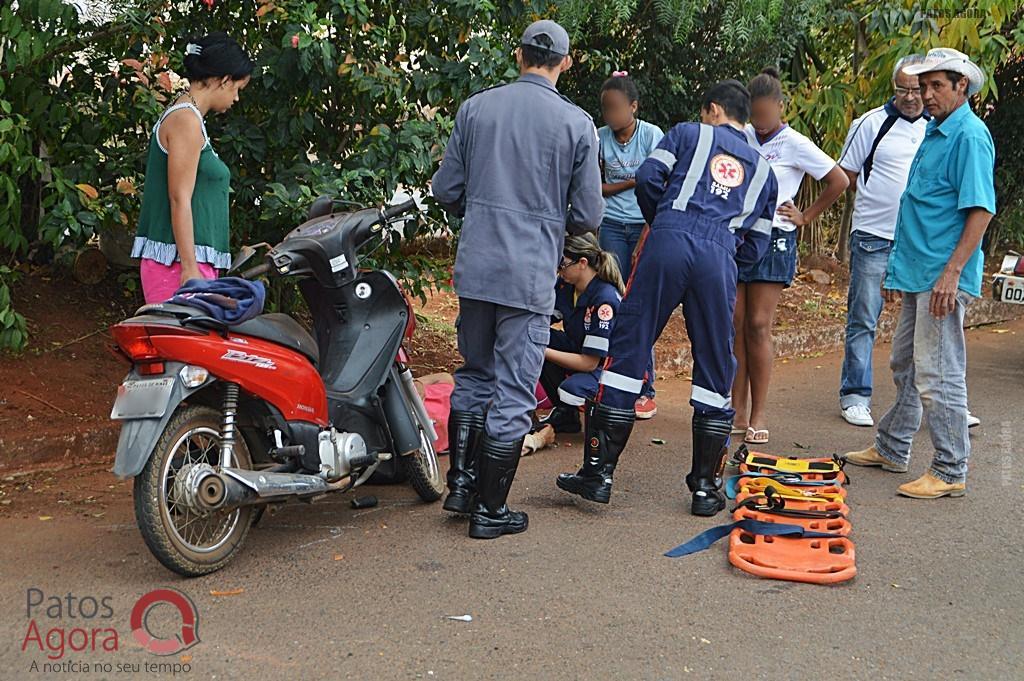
(603, 262)
(608, 269)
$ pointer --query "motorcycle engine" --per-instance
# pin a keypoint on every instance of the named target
(339, 453)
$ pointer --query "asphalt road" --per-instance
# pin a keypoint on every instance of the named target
(329, 592)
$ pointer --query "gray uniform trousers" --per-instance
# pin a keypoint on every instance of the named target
(503, 350)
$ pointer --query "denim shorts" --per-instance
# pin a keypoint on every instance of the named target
(779, 263)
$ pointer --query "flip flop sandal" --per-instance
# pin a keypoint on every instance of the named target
(756, 437)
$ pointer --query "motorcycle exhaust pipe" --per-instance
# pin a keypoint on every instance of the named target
(231, 488)
(413, 396)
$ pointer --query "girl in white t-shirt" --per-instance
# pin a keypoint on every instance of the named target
(791, 156)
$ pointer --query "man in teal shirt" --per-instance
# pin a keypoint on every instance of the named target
(936, 267)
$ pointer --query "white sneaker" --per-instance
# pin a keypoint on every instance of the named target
(858, 415)
(972, 420)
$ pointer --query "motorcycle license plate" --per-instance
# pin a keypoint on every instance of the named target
(142, 399)
(1012, 289)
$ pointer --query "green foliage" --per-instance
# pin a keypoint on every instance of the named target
(844, 66)
(356, 98)
(675, 49)
(13, 333)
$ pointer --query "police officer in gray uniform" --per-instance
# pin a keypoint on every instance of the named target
(521, 167)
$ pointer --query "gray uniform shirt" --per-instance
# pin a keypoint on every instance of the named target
(521, 167)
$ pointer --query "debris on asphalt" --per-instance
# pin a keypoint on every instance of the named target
(657, 441)
(339, 556)
(229, 592)
(364, 502)
(460, 618)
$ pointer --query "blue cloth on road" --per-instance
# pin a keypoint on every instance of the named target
(708, 537)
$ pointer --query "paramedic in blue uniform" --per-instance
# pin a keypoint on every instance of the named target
(521, 168)
(709, 199)
(587, 298)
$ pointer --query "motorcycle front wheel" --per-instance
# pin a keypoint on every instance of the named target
(423, 470)
(184, 541)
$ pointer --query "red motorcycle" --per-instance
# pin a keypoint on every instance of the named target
(219, 421)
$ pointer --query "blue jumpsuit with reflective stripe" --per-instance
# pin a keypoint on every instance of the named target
(708, 198)
(588, 324)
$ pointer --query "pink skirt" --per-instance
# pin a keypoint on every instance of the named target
(159, 282)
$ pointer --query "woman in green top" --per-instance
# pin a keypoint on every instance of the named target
(183, 226)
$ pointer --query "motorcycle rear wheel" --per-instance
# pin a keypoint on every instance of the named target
(423, 470)
(183, 541)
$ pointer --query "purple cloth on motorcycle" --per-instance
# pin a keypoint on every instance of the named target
(231, 300)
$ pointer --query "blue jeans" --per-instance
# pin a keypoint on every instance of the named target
(620, 239)
(929, 367)
(869, 256)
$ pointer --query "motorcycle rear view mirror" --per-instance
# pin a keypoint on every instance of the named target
(245, 254)
(323, 206)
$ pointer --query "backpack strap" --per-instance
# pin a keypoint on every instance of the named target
(890, 121)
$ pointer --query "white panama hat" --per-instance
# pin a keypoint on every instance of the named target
(948, 59)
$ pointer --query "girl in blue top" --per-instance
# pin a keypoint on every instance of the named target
(587, 299)
(625, 143)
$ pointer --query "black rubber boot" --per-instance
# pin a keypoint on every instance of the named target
(497, 463)
(607, 431)
(710, 446)
(464, 431)
(563, 418)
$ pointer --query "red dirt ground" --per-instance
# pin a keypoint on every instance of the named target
(56, 438)
(56, 396)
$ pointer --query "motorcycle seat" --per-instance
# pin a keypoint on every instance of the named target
(274, 327)
(281, 329)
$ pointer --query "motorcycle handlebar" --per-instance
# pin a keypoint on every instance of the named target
(254, 272)
(396, 210)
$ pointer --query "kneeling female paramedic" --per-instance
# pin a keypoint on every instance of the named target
(587, 297)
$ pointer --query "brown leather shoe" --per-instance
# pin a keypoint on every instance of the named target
(930, 487)
(871, 457)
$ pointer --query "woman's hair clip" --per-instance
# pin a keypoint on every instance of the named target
(192, 48)
(620, 74)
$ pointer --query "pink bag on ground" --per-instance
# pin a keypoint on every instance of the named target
(438, 401)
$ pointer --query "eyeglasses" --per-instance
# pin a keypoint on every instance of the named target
(567, 262)
(907, 91)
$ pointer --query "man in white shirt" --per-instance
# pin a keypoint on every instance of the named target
(877, 155)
